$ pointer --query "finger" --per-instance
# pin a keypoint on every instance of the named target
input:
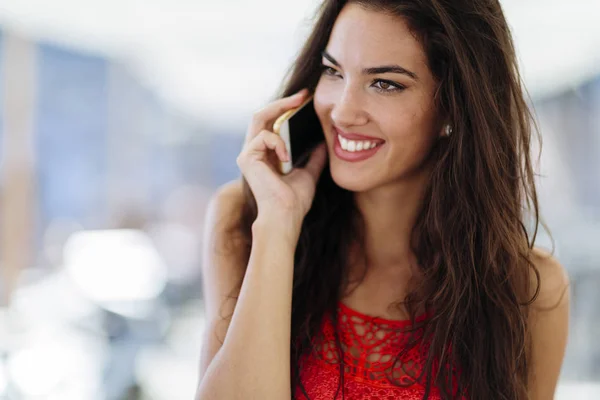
(317, 161)
(276, 143)
(265, 118)
(265, 141)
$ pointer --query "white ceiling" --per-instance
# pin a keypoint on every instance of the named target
(215, 59)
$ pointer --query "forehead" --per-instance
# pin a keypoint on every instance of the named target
(362, 37)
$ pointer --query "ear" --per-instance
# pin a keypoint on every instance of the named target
(442, 133)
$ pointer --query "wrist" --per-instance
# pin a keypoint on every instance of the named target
(284, 227)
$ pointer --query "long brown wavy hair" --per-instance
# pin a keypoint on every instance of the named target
(477, 225)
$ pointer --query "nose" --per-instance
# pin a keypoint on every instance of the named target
(348, 110)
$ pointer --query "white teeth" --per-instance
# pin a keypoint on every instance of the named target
(344, 143)
(355, 145)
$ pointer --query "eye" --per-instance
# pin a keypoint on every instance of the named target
(386, 86)
(327, 70)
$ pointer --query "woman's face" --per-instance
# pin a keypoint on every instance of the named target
(375, 90)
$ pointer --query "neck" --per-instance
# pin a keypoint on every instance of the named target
(390, 213)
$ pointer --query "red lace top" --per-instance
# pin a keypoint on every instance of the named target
(370, 347)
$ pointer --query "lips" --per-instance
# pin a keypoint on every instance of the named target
(354, 156)
(356, 136)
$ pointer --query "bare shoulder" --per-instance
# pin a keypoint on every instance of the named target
(553, 280)
(224, 244)
(223, 235)
(549, 324)
(226, 202)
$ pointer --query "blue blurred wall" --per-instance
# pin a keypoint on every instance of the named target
(71, 134)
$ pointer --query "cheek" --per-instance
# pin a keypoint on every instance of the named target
(323, 104)
(321, 100)
(413, 119)
(410, 130)
(325, 96)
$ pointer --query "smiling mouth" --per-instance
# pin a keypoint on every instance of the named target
(357, 145)
(354, 142)
(355, 150)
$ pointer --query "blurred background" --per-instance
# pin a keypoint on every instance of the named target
(118, 120)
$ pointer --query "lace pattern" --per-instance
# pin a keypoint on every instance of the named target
(370, 346)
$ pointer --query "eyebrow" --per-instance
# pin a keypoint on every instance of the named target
(396, 69)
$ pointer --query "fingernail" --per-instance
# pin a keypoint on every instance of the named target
(300, 93)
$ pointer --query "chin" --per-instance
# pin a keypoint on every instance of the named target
(351, 180)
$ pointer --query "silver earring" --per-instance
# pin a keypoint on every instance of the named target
(448, 130)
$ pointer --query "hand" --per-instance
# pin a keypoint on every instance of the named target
(278, 195)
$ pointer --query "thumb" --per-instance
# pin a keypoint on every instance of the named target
(317, 160)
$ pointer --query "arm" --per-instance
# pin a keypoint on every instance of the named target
(549, 320)
(254, 359)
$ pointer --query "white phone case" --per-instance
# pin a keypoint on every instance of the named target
(284, 131)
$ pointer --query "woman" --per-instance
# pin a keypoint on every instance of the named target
(409, 274)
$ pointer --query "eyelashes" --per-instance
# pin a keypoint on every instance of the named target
(327, 70)
(384, 86)
(395, 87)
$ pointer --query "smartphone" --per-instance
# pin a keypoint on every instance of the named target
(301, 131)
